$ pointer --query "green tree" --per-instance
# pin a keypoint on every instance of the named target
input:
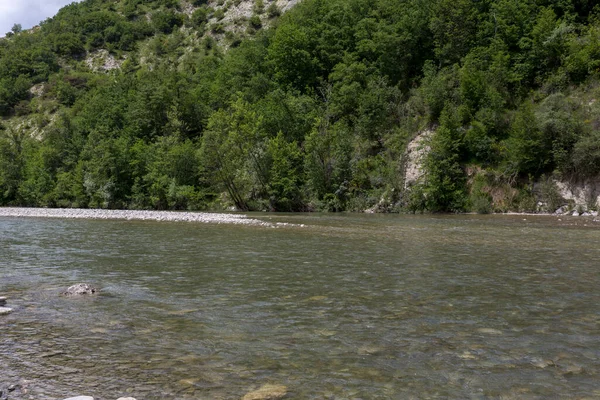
(444, 186)
(526, 150)
(12, 163)
(454, 26)
(286, 178)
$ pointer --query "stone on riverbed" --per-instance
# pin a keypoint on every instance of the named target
(80, 289)
(3, 300)
(5, 310)
(80, 398)
(267, 392)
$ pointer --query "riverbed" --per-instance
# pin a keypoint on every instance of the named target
(330, 306)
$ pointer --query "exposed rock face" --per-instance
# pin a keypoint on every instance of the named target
(80, 289)
(584, 194)
(245, 9)
(102, 61)
(416, 152)
(38, 90)
(267, 392)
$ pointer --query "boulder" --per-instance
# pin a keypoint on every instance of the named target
(561, 210)
(5, 310)
(80, 289)
(267, 392)
(3, 300)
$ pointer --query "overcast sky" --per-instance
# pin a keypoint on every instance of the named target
(27, 12)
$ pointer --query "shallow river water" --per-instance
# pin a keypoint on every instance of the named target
(344, 307)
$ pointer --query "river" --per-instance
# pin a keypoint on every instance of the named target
(331, 306)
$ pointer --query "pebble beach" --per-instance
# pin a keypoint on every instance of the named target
(141, 215)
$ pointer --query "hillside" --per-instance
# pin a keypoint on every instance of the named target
(273, 105)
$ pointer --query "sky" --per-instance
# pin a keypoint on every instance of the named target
(28, 13)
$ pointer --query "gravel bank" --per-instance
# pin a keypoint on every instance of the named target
(172, 216)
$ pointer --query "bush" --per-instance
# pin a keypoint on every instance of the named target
(549, 194)
(259, 6)
(255, 22)
(586, 155)
(166, 21)
(444, 187)
(273, 11)
(199, 17)
(219, 14)
(480, 199)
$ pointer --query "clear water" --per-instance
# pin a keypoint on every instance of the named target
(347, 307)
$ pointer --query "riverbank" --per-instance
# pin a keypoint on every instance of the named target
(141, 215)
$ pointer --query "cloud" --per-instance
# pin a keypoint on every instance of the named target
(28, 13)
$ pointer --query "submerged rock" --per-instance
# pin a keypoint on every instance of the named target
(5, 310)
(80, 289)
(80, 398)
(3, 300)
(267, 392)
(572, 369)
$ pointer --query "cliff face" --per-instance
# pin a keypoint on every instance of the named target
(416, 151)
(579, 196)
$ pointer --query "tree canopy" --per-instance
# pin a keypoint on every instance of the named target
(152, 104)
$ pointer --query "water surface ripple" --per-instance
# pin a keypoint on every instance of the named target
(347, 307)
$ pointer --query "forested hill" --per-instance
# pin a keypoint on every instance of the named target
(198, 104)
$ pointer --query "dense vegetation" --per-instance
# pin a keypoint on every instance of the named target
(312, 114)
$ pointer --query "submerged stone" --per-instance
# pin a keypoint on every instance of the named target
(3, 300)
(80, 398)
(489, 331)
(80, 289)
(572, 370)
(5, 310)
(267, 392)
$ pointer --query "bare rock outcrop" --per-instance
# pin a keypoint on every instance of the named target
(80, 289)
(583, 194)
(416, 151)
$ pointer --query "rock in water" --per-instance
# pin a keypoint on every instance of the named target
(3, 300)
(5, 310)
(81, 289)
(80, 398)
(267, 392)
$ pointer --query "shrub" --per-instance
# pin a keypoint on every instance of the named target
(273, 11)
(255, 22)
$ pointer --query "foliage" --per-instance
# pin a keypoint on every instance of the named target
(444, 187)
(312, 113)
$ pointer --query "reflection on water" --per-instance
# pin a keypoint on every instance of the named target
(348, 307)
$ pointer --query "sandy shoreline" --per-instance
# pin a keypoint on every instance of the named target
(141, 215)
